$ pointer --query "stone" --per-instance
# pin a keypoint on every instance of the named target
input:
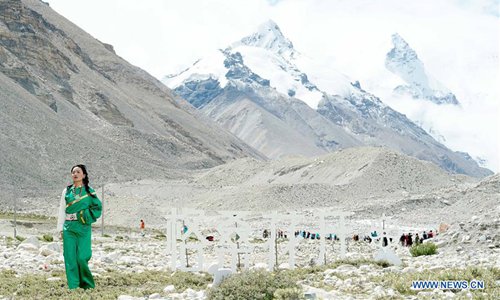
(378, 292)
(284, 266)
(46, 252)
(53, 279)
(126, 297)
(310, 295)
(155, 296)
(169, 289)
(409, 270)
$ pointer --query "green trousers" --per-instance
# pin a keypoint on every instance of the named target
(77, 253)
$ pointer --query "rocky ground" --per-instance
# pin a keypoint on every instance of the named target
(404, 196)
(474, 243)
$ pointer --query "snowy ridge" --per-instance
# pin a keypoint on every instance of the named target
(403, 61)
(211, 66)
(269, 36)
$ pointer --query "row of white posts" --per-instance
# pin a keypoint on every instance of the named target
(234, 235)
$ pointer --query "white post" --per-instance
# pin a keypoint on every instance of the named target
(15, 217)
(102, 207)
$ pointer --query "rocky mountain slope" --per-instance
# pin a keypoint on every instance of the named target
(67, 98)
(367, 181)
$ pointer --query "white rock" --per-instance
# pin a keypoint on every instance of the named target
(378, 291)
(346, 269)
(169, 289)
(126, 297)
(284, 266)
(33, 240)
(27, 247)
(56, 247)
(424, 295)
(310, 295)
(190, 293)
(409, 270)
(365, 268)
(46, 252)
(53, 279)
(155, 296)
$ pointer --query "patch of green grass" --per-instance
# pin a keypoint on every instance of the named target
(255, 284)
(47, 238)
(20, 238)
(110, 285)
(288, 294)
(9, 241)
(423, 249)
(160, 236)
(402, 282)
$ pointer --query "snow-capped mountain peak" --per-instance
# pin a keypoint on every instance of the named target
(403, 61)
(402, 50)
(282, 102)
(269, 37)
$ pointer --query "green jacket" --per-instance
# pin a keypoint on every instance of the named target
(88, 207)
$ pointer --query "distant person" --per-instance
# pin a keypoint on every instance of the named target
(385, 242)
(424, 235)
(417, 239)
(79, 208)
(142, 227)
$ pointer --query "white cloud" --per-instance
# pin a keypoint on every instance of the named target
(457, 40)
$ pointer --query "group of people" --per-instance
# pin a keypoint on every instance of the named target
(299, 233)
(407, 239)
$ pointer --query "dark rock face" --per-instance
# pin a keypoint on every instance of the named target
(237, 70)
(199, 92)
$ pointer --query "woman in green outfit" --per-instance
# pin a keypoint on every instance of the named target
(79, 208)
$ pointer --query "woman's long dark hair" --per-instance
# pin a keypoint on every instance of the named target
(85, 179)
